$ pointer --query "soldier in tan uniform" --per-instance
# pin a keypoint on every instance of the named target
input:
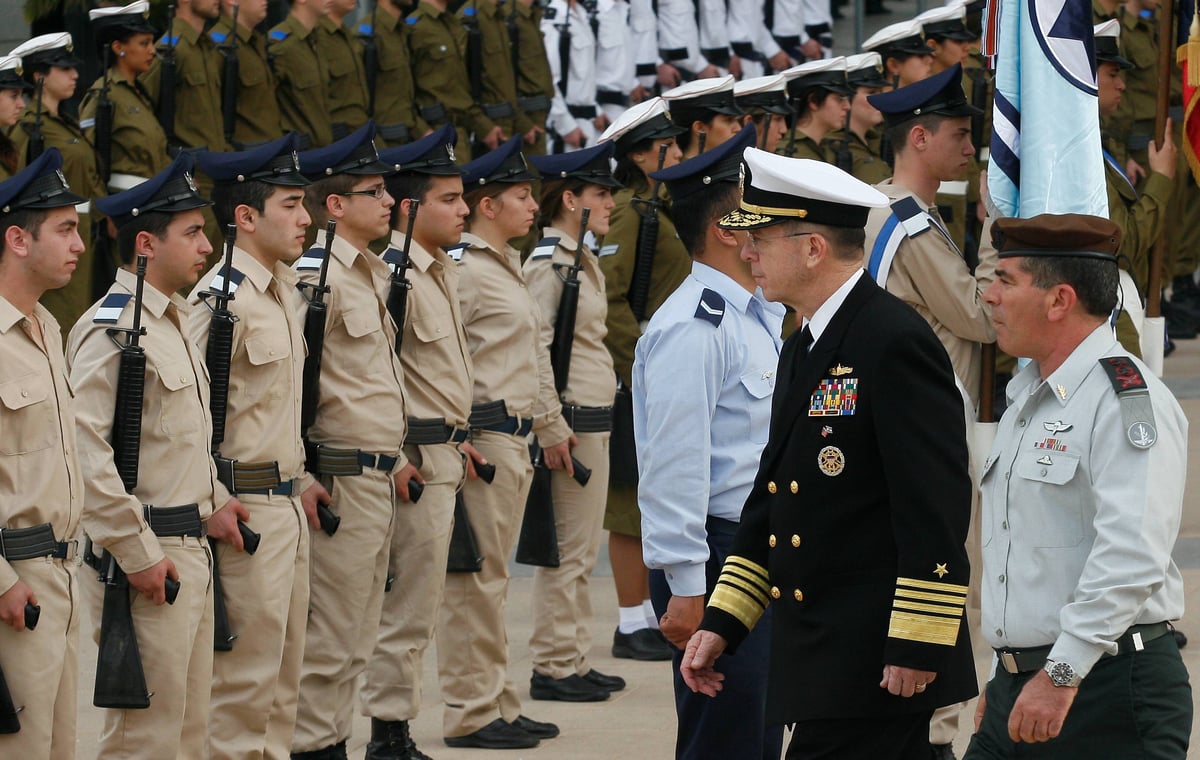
(820, 100)
(48, 59)
(301, 73)
(640, 134)
(535, 85)
(355, 443)
(261, 457)
(156, 531)
(917, 260)
(562, 605)
(513, 394)
(42, 493)
(346, 85)
(395, 110)
(139, 145)
(258, 118)
(437, 371)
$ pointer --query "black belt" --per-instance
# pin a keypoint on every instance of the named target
(716, 56)
(612, 98)
(17, 544)
(397, 133)
(646, 70)
(534, 103)
(167, 522)
(286, 488)
(494, 111)
(434, 114)
(1017, 661)
(582, 112)
(588, 419)
(345, 462)
(247, 477)
(494, 417)
(432, 431)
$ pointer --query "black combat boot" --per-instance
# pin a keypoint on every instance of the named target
(390, 740)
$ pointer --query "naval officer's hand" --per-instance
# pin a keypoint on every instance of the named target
(905, 682)
(702, 651)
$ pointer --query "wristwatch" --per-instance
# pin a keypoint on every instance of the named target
(1062, 674)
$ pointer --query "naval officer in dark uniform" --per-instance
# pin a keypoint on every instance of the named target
(862, 560)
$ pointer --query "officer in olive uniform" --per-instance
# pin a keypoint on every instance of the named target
(497, 81)
(859, 146)
(257, 118)
(396, 113)
(14, 92)
(438, 43)
(707, 111)
(535, 84)
(346, 86)
(48, 59)
(764, 100)
(301, 74)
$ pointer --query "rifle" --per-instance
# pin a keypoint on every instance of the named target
(538, 540)
(168, 70)
(568, 306)
(120, 678)
(314, 338)
(842, 159)
(37, 140)
(397, 299)
(219, 353)
(370, 59)
(105, 110)
(647, 241)
(9, 724)
(230, 81)
(464, 554)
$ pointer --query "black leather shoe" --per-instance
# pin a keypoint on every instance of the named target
(496, 735)
(573, 688)
(942, 752)
(640, 645)
(390, 740)
(536, 727)
(608, 683)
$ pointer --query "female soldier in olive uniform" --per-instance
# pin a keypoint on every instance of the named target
(862, 146)
(12, 100)
(817, 91)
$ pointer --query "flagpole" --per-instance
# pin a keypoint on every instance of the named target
(1166, 46)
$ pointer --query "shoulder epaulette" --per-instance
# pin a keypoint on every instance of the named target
(544, 248)
(218, 37)
(913, 218)
(1137, 411)
(109, 312)
(87, 123)
(311, 260)
(549, 13)
(235, 279)
(456, 251)
(365, 29)
(607, 250)
(469, 10)
(169, 40)
(711, 307)
(278, 35)
(411, 20)
(391, 256)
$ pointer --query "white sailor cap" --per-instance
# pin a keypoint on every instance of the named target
(949, 21)
(648, 120)
(905, 38)
(10, 74)
(136, 8)
(1107, 49)
(864, 70)
(713, 95)
(827, 73)
(109, 24)
(47, 50)
(778, 189)
(763, 94)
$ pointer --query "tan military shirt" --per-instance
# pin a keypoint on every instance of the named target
(930, 274)
(439, 67)
(591, 380)
(197, 87)
(39, 470)
(361, 402)
(346, 87)
(262, 420)
(139, 145)
(435, 356)
(394, 90)
(175, 466)
(302, 75)
(258, 118)
(504, 330)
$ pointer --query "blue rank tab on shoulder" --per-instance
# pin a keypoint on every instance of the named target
(456, 251)
(218, 37)
(391, 256)
(235, 278)
(544, 248)
(364, 29)
(411, 20)
(711, 307)
(109, 312)
(469, 11)
(311, 260)
(278, 35)
(168, 40)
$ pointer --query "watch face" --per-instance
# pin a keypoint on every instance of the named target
(1062, 674)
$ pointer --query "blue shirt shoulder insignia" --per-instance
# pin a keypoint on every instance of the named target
(109, 312)
(391, 256)
(278, 35)
(469, 11)
(544, 248)
(711, 307)
(218, 37)
(311, 260)
(456, 251)
(412, 20)
(364, 29)
(168, 41)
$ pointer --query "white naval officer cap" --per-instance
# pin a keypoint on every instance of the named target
(948, 21)
(48, 50)
(865, 70)
(648, 120)
(778, 189)
(904, 38)
(827, 73)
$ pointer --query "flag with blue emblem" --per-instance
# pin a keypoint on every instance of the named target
(1046, 154)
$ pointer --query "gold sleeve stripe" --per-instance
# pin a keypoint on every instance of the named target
(752, 568)
(746, 609)
(952, 588)
(750, 590)
(923, 628)
(928, 597)
(937, 609)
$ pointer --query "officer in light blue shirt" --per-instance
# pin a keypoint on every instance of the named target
(703, 375)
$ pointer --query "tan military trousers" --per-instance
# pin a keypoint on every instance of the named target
(347, 571)
(256, 685)
(562, 604)
(42, 665)
(176, 643)
(420, 544)
(472, 643)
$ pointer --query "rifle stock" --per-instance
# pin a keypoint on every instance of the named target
(464, 554)
(230, 79)
(537, 543)
(647, 241)
(219, 353)
(568, 307)
(314, 337)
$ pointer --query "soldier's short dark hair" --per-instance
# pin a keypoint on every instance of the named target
(227, 196)
(318, 192)
(815, 95)
(29, 219)
(154, 222)
(406, 185)
(1094, 282)
(897, 134)
(693, 214)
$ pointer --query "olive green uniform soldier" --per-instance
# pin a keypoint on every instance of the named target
(301, 74)
(535, 85)
(498, 81)
(197, 88)
(863, 75)
(346, 87)
(438, 43)
(1133, 124)
(258, 118)
(139, 145)
(396, 114)
(865, 162)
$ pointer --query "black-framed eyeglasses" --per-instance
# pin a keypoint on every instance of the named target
(377, 193)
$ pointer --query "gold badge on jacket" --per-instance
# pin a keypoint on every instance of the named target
(831, 460)
(834, 397)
